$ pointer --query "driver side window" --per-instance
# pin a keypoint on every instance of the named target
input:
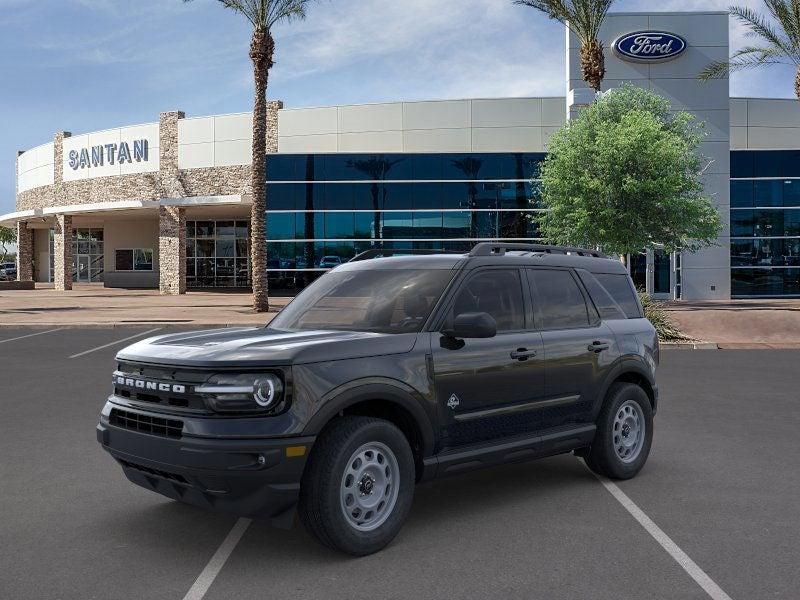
(497, 292)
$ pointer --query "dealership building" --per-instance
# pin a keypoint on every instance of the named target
(167, 204)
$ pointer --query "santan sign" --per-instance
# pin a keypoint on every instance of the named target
(649, 46)
(97, 156)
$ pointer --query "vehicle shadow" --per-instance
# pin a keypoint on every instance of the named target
(453, 503)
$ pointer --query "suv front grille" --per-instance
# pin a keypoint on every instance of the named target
(163, 387)
(170, 428)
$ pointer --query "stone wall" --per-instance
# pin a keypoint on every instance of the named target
(62, 253)
(24, 252)
(172, 250)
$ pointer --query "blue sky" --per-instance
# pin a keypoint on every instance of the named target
(84, 65)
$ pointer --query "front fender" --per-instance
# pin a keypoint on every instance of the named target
(375, 388)
(630, 364)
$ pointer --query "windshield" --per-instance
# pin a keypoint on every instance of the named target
(390, 301)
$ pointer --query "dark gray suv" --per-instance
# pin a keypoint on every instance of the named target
(385, 372)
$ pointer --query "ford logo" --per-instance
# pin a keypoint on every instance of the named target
(649, 46)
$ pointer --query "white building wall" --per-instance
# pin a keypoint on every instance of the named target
(35, 167)
(87, 141)
(706, 274)
(765, 124)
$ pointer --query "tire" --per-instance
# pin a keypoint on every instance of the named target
(614, 453)
(366, 462)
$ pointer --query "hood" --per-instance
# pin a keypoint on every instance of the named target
(260, 346)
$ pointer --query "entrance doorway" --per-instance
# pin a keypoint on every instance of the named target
(87, 255)
(656, 272)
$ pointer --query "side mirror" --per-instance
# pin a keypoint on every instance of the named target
(472, 325)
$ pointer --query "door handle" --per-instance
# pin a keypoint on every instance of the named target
(598, 346)
(522, 354)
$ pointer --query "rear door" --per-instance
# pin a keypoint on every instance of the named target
(579, 348)
(487, 388)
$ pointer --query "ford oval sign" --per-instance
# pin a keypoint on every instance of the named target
(649, 46)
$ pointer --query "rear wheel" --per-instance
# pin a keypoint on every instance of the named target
(357, 488)
(624, 433)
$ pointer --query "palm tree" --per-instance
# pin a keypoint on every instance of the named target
(780, 41)
(262, 15)
(584, 19)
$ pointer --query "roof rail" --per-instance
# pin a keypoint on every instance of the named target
(500, 248)
(383, 252)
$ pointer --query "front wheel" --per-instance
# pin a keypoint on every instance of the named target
(357, 489)
(624, 433)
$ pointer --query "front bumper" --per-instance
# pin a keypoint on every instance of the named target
(255, 478)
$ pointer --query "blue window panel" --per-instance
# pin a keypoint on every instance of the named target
(426, 166)
(282, 196)
(427, 224)
(454, 195)
(344, 250)
(281, 167)
(399, 166)
(280, 226)
(513, 224)
(529, 164)
(309, 225)
(791, 192)
(742, 223)
(515, 195)
(742, 164)
(367, 196)
(281, 255)
(464, 166)
(765, 282)
(398, 225)
(339, 196)
(768, 163)
(457, 224)
(742, 194)
(367, 226)
(486, 225)
(768, 193)
(790, 163)
(426, 195)
(791, 222)
(397, 196)
(339, 225)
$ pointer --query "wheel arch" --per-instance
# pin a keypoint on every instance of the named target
(629, 371)
(386, 400)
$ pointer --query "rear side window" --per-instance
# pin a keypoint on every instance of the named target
(608, 308)
(618, 285)
(559, 300)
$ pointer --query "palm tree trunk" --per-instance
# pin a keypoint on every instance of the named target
(261, 52)
(797, 84)
(593, 64)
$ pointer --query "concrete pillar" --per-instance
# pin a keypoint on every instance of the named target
(62, 253)
(24, 252)
(171, 250)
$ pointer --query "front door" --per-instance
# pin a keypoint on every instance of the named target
(83, 268)
(579, 348)
(488, 388)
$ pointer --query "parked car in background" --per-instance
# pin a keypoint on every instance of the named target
(8, 271)
(328, 262)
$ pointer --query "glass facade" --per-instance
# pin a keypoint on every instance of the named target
(325, 208)
(765, 223)
(217, 254)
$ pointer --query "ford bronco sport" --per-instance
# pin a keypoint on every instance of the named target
(388, 371)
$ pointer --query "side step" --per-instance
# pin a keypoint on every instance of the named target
(540, 445)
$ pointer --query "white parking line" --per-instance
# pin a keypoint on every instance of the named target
(114, 343)
(22, 337)
(687, 564)
(214, 566)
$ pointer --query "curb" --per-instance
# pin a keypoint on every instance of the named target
(690, 345)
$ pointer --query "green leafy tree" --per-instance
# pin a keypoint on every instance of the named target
(584, 19)
(778, 40)
(626, 175)
(8, 236)
(263, 15)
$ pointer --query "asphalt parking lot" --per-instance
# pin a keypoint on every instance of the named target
(722, 483)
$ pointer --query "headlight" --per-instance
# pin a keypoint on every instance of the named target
(245, 392)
